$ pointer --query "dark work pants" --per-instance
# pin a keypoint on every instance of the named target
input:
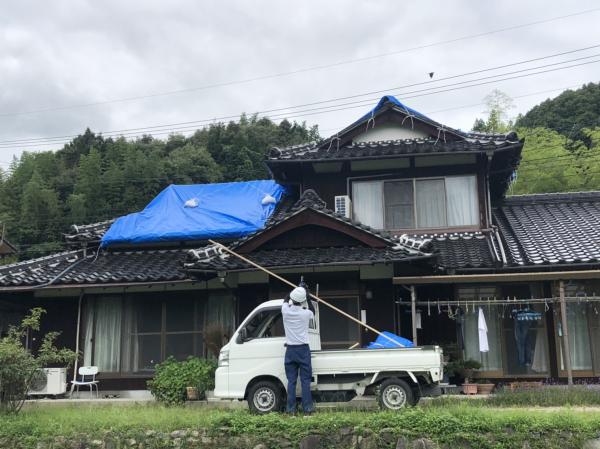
(522, 338)
(297, 358)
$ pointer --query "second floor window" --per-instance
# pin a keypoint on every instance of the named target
(432, 203)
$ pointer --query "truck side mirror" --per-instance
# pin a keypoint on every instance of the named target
(242, 336)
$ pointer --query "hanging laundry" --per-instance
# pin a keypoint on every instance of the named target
(523, 321)
(483, 330)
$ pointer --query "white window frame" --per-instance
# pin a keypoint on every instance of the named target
(414, 181)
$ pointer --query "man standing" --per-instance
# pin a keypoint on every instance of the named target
(296, 320)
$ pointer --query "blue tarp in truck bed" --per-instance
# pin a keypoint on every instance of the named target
(198, 212)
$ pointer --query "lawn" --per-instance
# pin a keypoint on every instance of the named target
(455, 425)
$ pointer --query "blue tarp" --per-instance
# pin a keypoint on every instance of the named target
(383, 342)
(198, 212)
(395, 101)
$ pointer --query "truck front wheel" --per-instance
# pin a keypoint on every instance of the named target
(265, 397)
(395, 394)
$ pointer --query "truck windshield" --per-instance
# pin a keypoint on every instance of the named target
(266, 324)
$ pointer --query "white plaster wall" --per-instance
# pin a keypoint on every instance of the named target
(389, 131)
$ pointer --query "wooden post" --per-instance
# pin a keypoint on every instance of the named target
(413, 309)
(75, 365)
(565, 333)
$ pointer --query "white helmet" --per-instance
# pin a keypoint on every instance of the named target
(298, 295)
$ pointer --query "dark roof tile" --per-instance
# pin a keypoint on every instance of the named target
(550, 228)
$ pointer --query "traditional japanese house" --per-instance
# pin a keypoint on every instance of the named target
(397, 219)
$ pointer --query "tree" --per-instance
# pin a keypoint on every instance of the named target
(191, 164)
(546, 165)
(569, 113)
(497, 122)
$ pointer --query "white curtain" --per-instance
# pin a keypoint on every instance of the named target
(102, 346)
(579, 337)
(461, 198)
(431, 208)
(491, 360)
(130, 347)
(367, 203)
(220, 310)
(88, 320)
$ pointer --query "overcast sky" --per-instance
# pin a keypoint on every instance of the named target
(58, 56)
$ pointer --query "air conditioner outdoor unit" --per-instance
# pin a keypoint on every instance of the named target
(50, 382)
(343, 205)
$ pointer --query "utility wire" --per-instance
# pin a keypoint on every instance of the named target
(303, 70)
(337, 107)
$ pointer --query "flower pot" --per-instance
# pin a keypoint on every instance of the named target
(192, 393)
(485, 388)
(469, 388)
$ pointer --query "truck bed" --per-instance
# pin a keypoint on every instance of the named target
(419, 359)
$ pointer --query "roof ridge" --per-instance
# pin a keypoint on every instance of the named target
(549, 196)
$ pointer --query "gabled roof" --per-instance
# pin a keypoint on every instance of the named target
(378, 247)
(502, 152)
(551, 229)
(384, 149)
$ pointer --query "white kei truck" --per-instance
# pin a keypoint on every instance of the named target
(251, 367)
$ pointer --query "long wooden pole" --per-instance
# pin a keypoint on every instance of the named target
(565, 334)
(276, 276)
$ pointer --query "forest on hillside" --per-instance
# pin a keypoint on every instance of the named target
(93, 178)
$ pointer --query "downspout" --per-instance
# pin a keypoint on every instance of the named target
(565, 333)
(501, 246)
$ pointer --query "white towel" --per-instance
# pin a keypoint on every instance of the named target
(482, 327)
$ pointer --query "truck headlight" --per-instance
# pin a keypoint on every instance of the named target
(224, 358)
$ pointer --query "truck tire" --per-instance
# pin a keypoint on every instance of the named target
(265, 396)
(395, 394)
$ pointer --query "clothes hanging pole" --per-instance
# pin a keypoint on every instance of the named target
(413, 304)
(565, 332)
(75, 365)
(285, 281)
(468, 302)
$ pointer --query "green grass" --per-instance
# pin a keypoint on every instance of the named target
(550, 396)
(453, 424)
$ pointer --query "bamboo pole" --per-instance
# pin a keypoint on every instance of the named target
(285, 281)
(565, 333)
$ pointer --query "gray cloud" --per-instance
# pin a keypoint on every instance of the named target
(61, 53)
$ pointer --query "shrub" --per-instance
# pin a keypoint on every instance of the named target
(172, 378)
(19, 368)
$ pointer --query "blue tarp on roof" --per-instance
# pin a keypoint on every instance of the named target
(198, 212)
(396, 102)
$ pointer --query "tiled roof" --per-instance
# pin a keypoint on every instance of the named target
(551, 228)
(89, 232)
(300, 257)
(108, 267)
(465, 250)
(328, 151)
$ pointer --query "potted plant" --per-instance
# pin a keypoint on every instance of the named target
(192, 393)
(484, 386)
(465, 369)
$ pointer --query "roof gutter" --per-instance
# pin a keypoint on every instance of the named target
(332, 264)
(511, 277)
